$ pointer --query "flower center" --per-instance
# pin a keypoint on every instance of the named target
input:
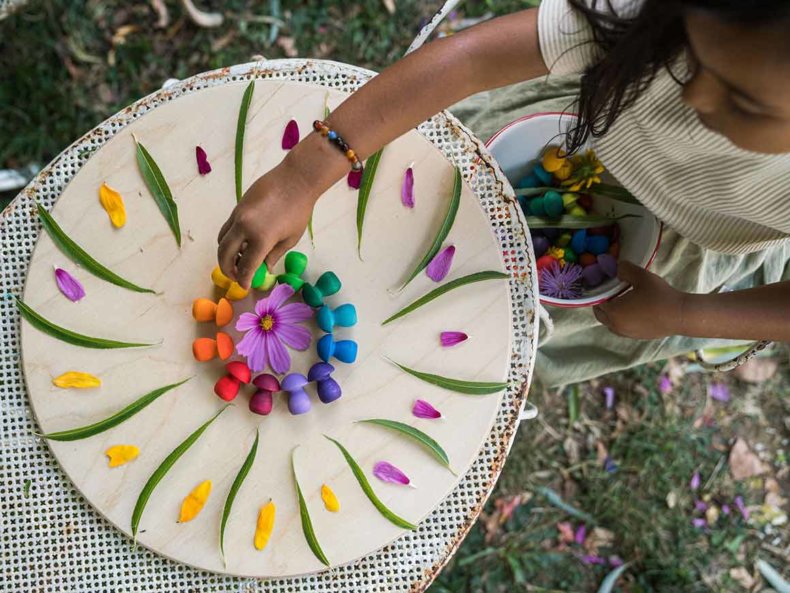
(267, 323)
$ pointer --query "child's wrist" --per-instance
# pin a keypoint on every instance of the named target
(316, 164)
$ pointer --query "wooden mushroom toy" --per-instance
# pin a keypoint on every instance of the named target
(262, 400)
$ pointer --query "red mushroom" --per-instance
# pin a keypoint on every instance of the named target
(227, 387)
(239, 370)
(262, 400)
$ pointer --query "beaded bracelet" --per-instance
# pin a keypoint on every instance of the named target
(324, 130)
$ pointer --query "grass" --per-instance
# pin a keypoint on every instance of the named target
(67, 65)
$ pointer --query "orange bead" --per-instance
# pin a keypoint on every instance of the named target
(204, 349)
(350, 153)
(204, 309)
(224, 345)
(224, 313)
(324, 131)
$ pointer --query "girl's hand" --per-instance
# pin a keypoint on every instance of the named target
(651, 309)
(269, 220)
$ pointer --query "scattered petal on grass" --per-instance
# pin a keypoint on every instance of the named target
(580, 535)
(741, 507)
(69, 285)
(609, 465)
(407, 189)
(725, 509)
(592, 559)
(719, 391)
(565, 532)
(665, 384)
(699, 523)
(615, 561)
(204, 167)
(423, 409)
(452, 338)
(291, 135)
(386, 472)
(440, 265)
(700, 506)
(695, 481)
(608, 392)
(354, 179)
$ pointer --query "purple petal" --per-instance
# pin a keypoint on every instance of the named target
(253, 346)
(592, 559)
(354, 179)
(407, 189)
(719, 391)
(247, 321)
(440, 264)
(609, 465)
(700, 506)
(69, 285)
(741, 507)
(295, 336)
(615, 561)
(699, 522)
(279, 359)
(665, 384)
(203, 165)
(386, 472)
(452, 338)
(695, 481)
(294, 313)
(725, 509)
(280, 294)
(291, 135)
(609, 394)
(580, 535)
(422, 409)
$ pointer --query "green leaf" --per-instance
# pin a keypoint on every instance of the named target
(241, 124)
(773, 577)
(608, 583)
(574, 222)
(415, 434)
(437, 292)
(444, 230)
(162, 470)
(573, 404)
(234, 490)
(310, 230)
(467, 387)
(368, 173)
(555, 499)
(368, 490)
(66, 335)
(76, 434)
(304, 514)
(159, 189)
(79, 256)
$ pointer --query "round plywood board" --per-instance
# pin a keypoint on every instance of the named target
(145, 252)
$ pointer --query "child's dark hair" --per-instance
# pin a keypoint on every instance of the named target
(634, 49)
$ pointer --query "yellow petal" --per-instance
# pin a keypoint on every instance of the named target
(265, 525)
(553, 159)
(120, 454)
(236, 292)
(219, 279)
(76, 380)
(194, 502)
(113, 204)
(331, 503)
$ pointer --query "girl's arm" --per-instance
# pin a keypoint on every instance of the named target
(274, 211)
(653, 309)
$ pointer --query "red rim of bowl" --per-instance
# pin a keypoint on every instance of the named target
(567, 305)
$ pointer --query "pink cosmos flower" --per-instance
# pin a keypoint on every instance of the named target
(273, 326)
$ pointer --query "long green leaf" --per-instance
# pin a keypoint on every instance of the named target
(437, 292)
(608, 583)
(615, 192)
(71, 337)
(415, 434)
(365, 185)
(574, 222)
(459, 385)
(159, 189)
(368, 490)
(241, 124)
(304, 514)
(161, 471)
(556, 500)
(444, 230)
(83, 432)
(78, 255)
(773, 577)
(234, 490)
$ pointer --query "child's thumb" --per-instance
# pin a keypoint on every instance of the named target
(631, 273)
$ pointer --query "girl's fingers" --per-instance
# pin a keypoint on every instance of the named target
(224, 229)
(275, 254)
(228, 252)
(251, 257)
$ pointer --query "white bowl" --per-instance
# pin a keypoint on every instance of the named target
(518, 146)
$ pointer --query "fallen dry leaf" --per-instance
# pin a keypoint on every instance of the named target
(601, 452)
(757, 370)
(741, 576)
(598, 538)
(743, 462)
(390, 6)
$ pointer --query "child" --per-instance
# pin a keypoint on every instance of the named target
(688, 104)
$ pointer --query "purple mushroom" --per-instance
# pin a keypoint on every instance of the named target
(328, 389)
(262, 400)
(298, 400)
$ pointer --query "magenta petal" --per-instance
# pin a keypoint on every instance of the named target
(580, 535)
(719, 391)
(202, 161)
(69, 285)
(592, 559)
(452, 338)
(295, 336)
(247, 321)
(407, 189)
(422, 409)
(354, 179)
(739, 504)
(294, 313)
(440, 264)
(291, 135)
(699, 523)
(695, 481)
(608, 393)
(665, 384)
(279, 359)
(386, 472)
